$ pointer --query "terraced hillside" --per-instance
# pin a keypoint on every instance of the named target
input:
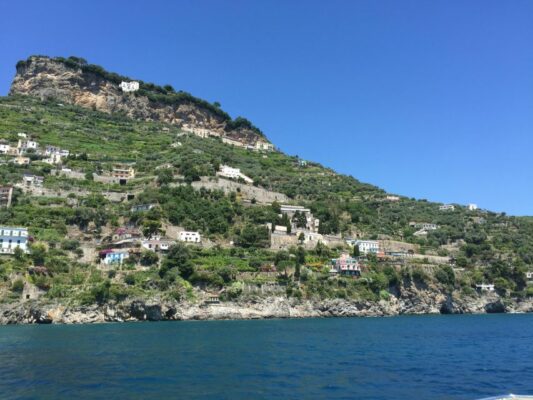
(73, 218)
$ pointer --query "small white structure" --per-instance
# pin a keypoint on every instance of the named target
(54, 159)
(24, 145)
(447, 207)
(132, 86)
(485, 287)
(233, 142)
(424, 225)
(32, 180)
(22, 135)
(529, 275)
(189, 236)
(392, 198)
(472, 207)
(115, 257)
(19, 160)
(11, 238)
(157, 244)
(281, 229)
(311, 224)
(367, 246)
(233, 173)
(5, 148)
(262, 145)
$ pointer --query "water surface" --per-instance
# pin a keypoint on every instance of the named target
(410, 357)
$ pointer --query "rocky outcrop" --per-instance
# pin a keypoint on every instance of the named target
(91, 87)
(427, 302)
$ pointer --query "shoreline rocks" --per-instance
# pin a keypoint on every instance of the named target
(40, 312)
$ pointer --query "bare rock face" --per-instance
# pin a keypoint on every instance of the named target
(49, 78)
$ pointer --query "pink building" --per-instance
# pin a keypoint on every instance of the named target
(346, 265)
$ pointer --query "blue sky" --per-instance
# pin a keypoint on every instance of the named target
(429, 99)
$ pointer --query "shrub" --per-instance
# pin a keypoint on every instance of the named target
(17, 286)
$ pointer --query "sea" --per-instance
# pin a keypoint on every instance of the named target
(405, 357)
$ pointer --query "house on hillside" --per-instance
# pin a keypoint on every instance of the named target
(189, 237)
(126, 233)
(485, 287)
(447, 207)
(30, 180)
(123, 172)
(113, 256)
(13, 237)
(5, 147)
(346, 265)
(142, 207)
(472, 207)
(127, 87)
(233, 142)
(423, 225)
(157, 244)
(233, 173)
(20, 160)
(300, 217)
(6, 195)
(367, 246)
(25, 145)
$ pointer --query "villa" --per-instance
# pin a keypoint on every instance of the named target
(189, 236)
(11, 238)
(110, 257)
(346, 265)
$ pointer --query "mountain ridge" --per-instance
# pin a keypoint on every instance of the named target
(72, 80)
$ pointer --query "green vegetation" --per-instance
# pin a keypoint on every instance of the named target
(485, 246)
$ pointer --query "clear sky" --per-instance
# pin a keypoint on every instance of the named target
(429, 99)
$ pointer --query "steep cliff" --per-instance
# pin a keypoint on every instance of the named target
(73, 81)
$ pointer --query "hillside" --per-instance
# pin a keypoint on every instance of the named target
(81, 212)
(74, 81)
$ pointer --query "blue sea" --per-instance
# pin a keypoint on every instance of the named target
(408, 357)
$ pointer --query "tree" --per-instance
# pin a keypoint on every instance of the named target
(301, 237)
(38, 253)
(151, 227)
(356, 252)
(179, 257)
(300, 255)
(253, 236)
(164, 176)
(149, 258)
(299, 219)
(19, 254)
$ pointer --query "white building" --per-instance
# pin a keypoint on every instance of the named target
(472, 207)
(282, 229)
(157, 244)
(25, 145)
(189, 236)
(424, 225)
(32, 180)
(5, 148)
(11, 238)
(233, 173)
(115, 257)
(55, 158)
(392, 198)
(312, 223)
(485, 287)
(367, 246)
(233, 142)
(261, 145)
(132, 86)
(447, 207)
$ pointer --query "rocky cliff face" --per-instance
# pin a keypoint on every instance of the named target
(412, 301)
(94, 88)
